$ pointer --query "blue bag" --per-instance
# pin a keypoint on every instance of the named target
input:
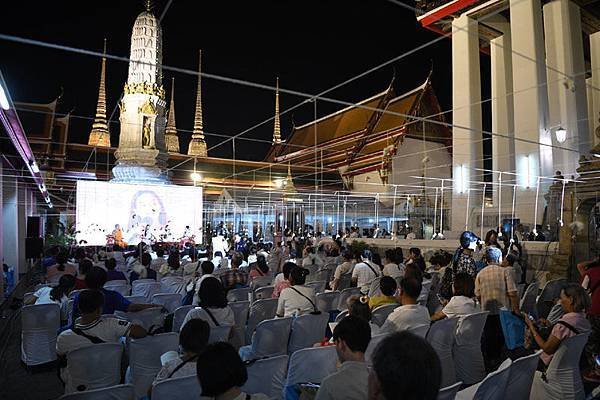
(513, 328)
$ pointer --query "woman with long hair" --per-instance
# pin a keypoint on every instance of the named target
(212, 302)
(261, 268)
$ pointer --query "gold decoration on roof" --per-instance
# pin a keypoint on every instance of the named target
(171, 139)
(277, 126)
(198, 144)
(147, 108)
(100, 135)
(145, 88)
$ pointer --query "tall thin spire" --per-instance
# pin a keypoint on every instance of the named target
(171, 139)
(99, 135)
(277, 127)
(198, 144)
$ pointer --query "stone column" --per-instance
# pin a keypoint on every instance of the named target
(530, 106)
(467, 147)
(590, 110)
(503, 149)
(595, 81)
(566, 84)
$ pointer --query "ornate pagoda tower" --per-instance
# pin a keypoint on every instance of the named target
(171, 138)
(142, 155)
(197, 146)
(99, 135)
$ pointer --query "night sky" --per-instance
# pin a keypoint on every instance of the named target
(310, 45)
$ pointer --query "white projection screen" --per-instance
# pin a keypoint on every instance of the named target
(149, 213)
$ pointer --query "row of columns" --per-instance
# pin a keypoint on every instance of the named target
(537, 84)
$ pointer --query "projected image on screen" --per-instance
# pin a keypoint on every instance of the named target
(129, 214)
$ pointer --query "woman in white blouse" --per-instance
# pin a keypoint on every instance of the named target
(213, 305)
(55, 295)
(297, 299)
(463, 299)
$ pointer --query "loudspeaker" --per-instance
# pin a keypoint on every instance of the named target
(33, 227)
(34, 247)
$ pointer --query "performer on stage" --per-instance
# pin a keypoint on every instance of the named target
(118, 235)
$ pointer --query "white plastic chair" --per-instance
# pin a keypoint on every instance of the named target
(270, 339)
(184, 388)
(380, 314)
(550, 292)
(375, 340)
(260, 310)
(492, 387)
(95, 366)
(449, 392)
(145, 289)
(260, 281)
(145, 318)
(344, 282)
(521, 377)
(527, 304)
(318, 286)
(170, 301)
(240, 294)
(118, 392)
(419, 330)
(563, 378)
(441, 337)
(119, 286)
(328, 301)
(144, 359)
(136, 299)
(466, 351)
(219, 333)
(240, 315)
(264, 292)
(39, 326)
(266, 376)
(345, 295)
(179, 316)
(172, 284)
(311, 365)
(307, 330)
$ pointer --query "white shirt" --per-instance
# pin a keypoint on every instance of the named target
(278, 279)
(394, 270)
(459, 306)
(292, 303)
(109, 329)
(224, 316)
(405, 318)
(349, 382)
(365, 275)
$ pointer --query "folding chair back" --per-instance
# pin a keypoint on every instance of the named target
(375, 289)
(136, 299)
(449, 392)
(375, 340)
(492, 387)
(311, 365)
(170, 301)
(260, 310)
(240, 294)
(266, 376)
(120, 286)
(528, 301)
(270, 339)
(145, 289)
(39, 326)
(318, 286)
(345, 295)
(441, 337)
(307, 330)
(328, 301)
(548, 296)
(264, 292)
(145, 318)
(118, 392)
(380, 314)
(424, 295)
(95, 366)
(240, 314)
(144, 359)
(261, 281)
(179, 316)
(466, 351)
(219, 333)
(520, 377)
(184, 388)
(344, 282)
(341, 316)
(172, 284)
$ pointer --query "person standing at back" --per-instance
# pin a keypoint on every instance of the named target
(365, 272)
(351, 337)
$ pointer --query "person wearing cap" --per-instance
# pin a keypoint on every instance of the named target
(297, 299)
(365, 272)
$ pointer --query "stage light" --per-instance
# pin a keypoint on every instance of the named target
(4, 99)
(34, 167)
(196, 177)
(561, 134)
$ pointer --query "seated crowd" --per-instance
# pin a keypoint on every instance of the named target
(395, 300)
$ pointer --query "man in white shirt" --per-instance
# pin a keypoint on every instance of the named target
(365, 272)
(351, 337)
(410, 316)
(92, 328)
